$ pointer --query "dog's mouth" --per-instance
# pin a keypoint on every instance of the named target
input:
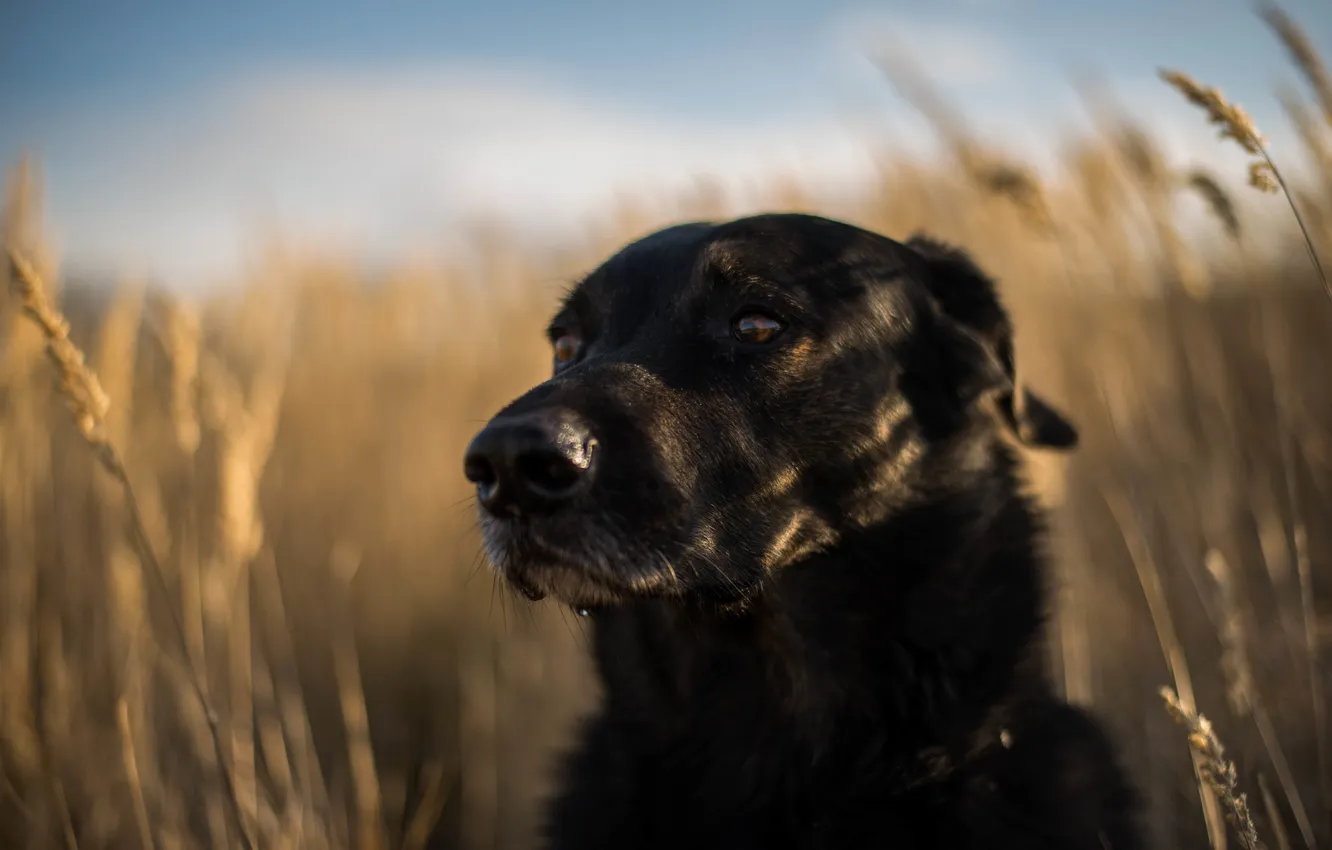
(583, 568)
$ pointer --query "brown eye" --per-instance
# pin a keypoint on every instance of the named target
(566, 349)
(756, 328)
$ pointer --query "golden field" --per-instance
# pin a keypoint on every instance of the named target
(296, 542)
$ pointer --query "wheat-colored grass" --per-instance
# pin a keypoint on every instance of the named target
(1235, 123)
(1218, 772)
(89, 405)
(309, 421)
(1302, 51)
(1218, 200)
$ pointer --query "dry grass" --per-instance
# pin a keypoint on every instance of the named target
(1236, 124)
(269, 622)
(1218, 772)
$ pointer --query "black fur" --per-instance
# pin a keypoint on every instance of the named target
(815, 584)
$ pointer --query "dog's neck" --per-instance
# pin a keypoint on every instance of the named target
(957, 624)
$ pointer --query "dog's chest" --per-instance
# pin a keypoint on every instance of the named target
(903, 822)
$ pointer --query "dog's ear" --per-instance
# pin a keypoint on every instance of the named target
(979, 337)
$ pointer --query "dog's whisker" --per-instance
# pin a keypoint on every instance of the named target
(478, 563)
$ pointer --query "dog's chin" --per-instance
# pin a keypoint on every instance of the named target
(540, 569)
(573, 586)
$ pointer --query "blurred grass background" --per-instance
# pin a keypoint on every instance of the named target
(293, 445)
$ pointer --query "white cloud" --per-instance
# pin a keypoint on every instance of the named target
(388, 160)
(952, 53)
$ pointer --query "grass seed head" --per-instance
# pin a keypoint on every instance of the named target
(1217, 771)
(1216, 198)
(1262, 177)
(1234, 122)
(82, 391)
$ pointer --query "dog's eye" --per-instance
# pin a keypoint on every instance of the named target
(566, 347)
(756, 328)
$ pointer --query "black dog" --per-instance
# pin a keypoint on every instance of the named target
(770, 466)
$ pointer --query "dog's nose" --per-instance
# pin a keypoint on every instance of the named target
(532, 463)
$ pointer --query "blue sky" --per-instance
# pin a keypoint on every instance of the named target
(171, 132)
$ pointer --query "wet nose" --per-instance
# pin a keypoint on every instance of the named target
(533, 463)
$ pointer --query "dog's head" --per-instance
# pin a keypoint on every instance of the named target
(729, 398)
